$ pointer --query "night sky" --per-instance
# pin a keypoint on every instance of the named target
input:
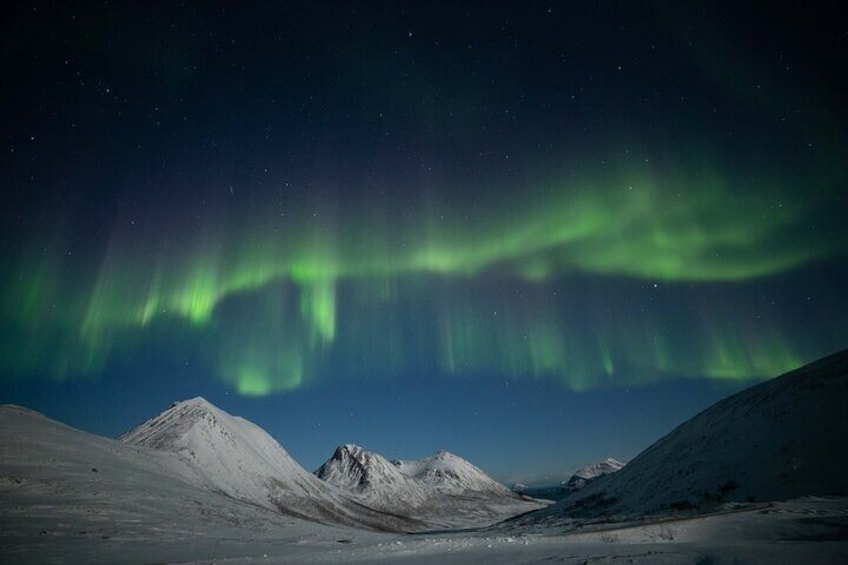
(532, 233)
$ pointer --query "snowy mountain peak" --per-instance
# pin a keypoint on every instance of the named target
(354, 468)
(585, 474)
(451, 473)
(238, 458)
(184, 424)
(608, 465)
(434, 488)
(197, 401)
(350, 450)
(235, 455)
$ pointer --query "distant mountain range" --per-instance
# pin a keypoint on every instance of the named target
(583, 476)
(591, 472)
(236, 457)
(443, 488)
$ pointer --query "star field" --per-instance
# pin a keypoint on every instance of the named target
(285, 200)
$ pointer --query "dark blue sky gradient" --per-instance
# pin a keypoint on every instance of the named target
(534, 234)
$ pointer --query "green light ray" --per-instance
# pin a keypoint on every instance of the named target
(281, 301)
(629, 223)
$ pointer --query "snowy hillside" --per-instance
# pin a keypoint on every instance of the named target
(775, 441)
(241, 460)
(67, 496)
(590, 472)
(444, 489)
(231, 454)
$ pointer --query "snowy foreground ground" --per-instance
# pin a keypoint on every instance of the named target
(808, 531)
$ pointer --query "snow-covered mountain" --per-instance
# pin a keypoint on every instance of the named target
(238, 458)
(372, 477)
(778, 440)
(590, 472)
(449, 473)
(67, 496)
(358, 469)
(232, 455)
(445, 490)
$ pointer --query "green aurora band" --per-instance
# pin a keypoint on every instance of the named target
(452, 286)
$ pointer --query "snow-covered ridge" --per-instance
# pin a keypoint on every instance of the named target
(450, 473)
(359, 469)
(582, 476)
(444, 489)
(238, 458)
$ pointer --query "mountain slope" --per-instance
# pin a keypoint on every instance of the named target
(444, 490)
(238, 458)
(449, 473)
(590, 472)
(67, 496)
(778, 440)
(372, 477)
(231, 454)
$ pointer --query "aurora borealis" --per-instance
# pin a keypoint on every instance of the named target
(281, 298)
(301, 198)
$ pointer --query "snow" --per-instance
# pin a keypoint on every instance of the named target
(232, 454)
(372, 477)
(444, 491)
(447, 472)
(144, 506)
(582, 476)
(238, 458)
(71, 497)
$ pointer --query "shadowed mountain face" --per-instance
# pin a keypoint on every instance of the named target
(774, 441)
(444, 489)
